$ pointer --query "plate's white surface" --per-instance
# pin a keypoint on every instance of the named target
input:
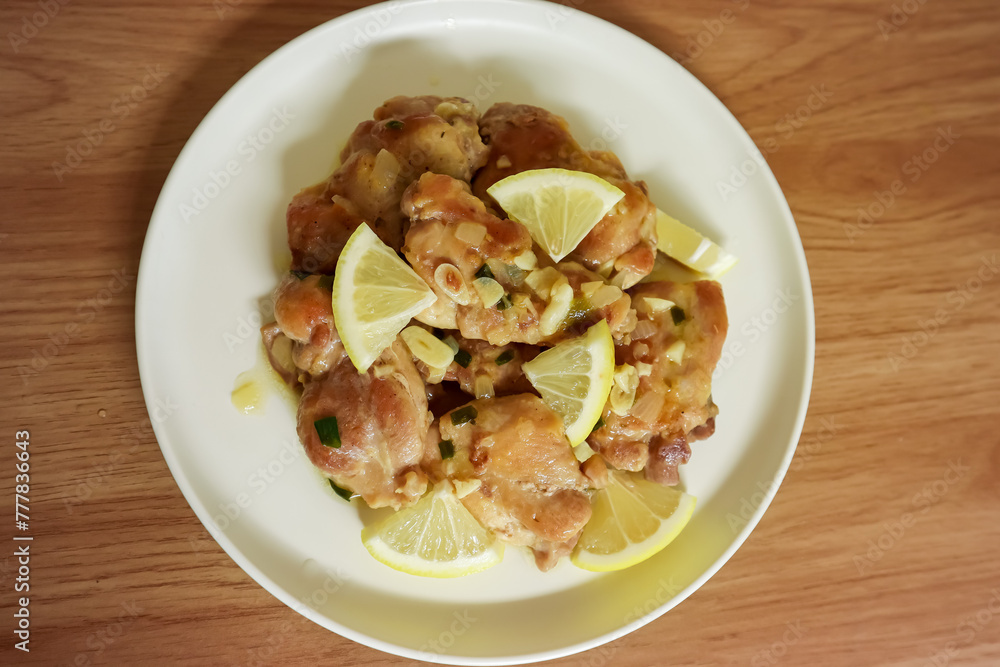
(210, 254)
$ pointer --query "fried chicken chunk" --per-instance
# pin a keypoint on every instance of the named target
(673, 402)
(531, 491)
(453, 240)
(383, 423)
(498, 367)
(408, 136)
(303, 313)
(522, 137)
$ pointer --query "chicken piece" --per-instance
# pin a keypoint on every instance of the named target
(452, 237)
(408, 136)
(303, 313)
(522, 137)
(496, 368)
(425, 133)
(448, 226)
(673, 402)
(383, 423)
(531, 491)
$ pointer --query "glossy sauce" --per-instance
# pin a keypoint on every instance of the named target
(253, 387)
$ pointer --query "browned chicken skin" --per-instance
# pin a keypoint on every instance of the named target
(407, 174)
(505, 377)
(444, 216)
(303, 313)
(531, 490)
(522, 137)
(382, 416)
(383, 423)
(408, 136)
(673, 403)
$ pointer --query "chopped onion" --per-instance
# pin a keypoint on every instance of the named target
(675, 352)
(483, 386)
(647, 407)
(472, 233)
(643, 329)
(588, 289)
(526, 260)
(541, 281)
(651, 304)
(604, 296)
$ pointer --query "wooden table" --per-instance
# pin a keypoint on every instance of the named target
(880, 121)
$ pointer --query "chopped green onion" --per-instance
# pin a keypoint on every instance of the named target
(326, 282)
(328, 432)
(599, 424)
(447, 448)
(505, 357)
(463, 358)
(301, 275)
(677, 313)
(504, 302)
(464, 415)
(394, 125)
(343, 493)
(485, 272)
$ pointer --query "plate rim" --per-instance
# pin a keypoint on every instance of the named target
(203, 514)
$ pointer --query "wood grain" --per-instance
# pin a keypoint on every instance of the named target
(123, 572)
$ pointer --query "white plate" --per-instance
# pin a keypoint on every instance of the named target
(210, 255)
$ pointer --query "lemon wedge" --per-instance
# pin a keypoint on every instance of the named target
(375, 295)
(574, 379)
(633, 519)
(558, 206)
(436, 537)
(690, 248)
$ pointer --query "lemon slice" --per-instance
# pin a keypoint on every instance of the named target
(574, 379)
(632, 520)
(436, 537)
(375, 294)
(690, 248)
(558, 206)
